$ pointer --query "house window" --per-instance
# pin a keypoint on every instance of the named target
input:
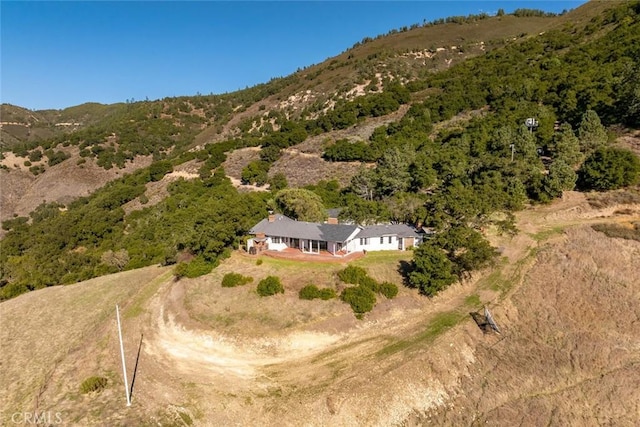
(381, 240)
(364, 241)
(389, 239)
(276, 240)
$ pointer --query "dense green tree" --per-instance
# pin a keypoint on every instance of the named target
(609, 169)
(432, 270)
(405, 208)
(363, 183)
(363, 212)
(591, 133)
(392, 173)
(422, 172)
(561, 178)
(347, 151)
(301, 204)
(629, 101)
(255, 172)
(159, 169)
(329, 191)
(566, 146)
(277, 182)
(270, 153)
(466, 248)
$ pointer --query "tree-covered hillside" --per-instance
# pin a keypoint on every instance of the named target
(574, 81)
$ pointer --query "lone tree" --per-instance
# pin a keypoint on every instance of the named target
(118, 259)
(432, 270)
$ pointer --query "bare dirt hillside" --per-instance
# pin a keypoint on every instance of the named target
(566, 297)
(22, 191)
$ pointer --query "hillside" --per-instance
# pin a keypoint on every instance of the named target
(406, 54)
(564, 296)
(397, 138)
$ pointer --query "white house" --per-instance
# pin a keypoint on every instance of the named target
(278, 232)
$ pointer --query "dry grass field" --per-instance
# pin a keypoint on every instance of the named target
(566, 297)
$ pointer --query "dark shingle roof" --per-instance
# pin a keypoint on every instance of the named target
(400, 230)
(283, 226)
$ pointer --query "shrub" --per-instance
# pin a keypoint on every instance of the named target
(619, 231)
(231, 280)
(196, 268)
(270, 285)
(369, 283)
(327, 294)
(309, 292)
(159, 169)
(259, 261)
(609, 169)
(388, 289)
(353, 275)
(92, 384)
(360, 299)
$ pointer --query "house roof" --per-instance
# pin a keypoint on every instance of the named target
(400, 230)
(284, 226)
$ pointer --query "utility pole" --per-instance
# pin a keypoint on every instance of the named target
(124, 366)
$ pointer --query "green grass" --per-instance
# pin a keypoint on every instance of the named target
(541, 236)
(383, 257)
(136, 307)
(473, 301)
(285, 264)
(441, 323)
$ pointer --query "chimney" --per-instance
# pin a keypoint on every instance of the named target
(332, 220)
(272, 216)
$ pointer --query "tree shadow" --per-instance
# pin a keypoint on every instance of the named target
(481, 321)
(135, 368)
(405, 268)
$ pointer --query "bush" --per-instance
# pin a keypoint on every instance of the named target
(370, 284)
(231, 280)
(270, 285)
(92, 384)
(159, 169)
(327, 294)
(388, 289)
(360, 299)
(195, 268)
(309, 292)
(609, 169)
(353, 275)
(259, 261)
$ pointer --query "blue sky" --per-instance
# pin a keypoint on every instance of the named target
(64, 53)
